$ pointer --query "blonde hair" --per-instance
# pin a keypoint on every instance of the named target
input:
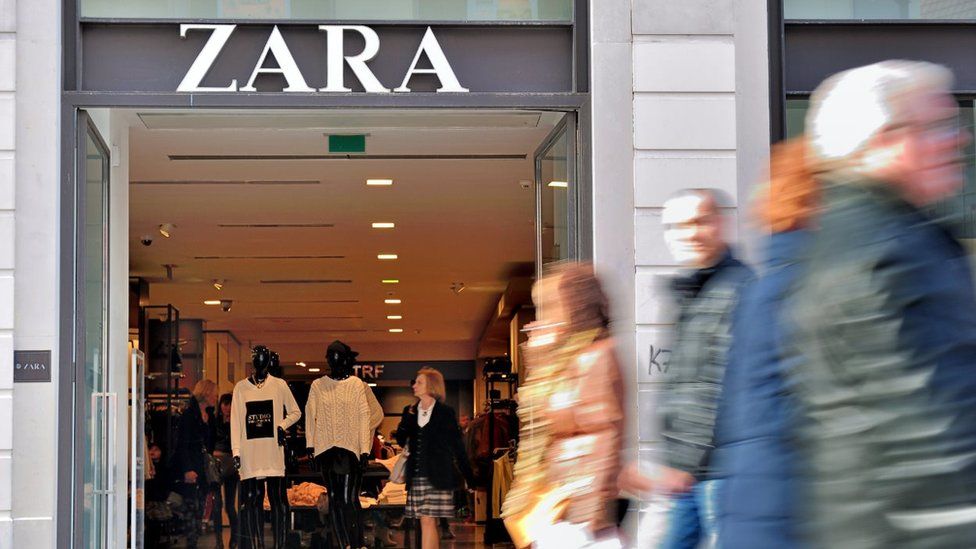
(791, 200)
(203, 388)
(435, 382)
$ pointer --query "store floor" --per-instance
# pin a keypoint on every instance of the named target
(468, 536)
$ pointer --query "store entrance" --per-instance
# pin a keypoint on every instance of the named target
(412, 236)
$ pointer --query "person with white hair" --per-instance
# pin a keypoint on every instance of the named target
(883, 321)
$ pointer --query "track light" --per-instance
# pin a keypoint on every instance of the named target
(218, 284)
(166, 229)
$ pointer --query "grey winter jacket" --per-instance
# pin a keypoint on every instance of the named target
(885, 336)
(699, 354)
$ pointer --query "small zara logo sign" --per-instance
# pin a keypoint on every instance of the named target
(336, 60)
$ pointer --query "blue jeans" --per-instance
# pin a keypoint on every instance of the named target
(694, 518)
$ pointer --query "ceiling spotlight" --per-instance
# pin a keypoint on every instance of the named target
(371, 384)
(390, 281)
(396, 330)
(218, 284)
(559, 184)
(166, 229)
(384, 225)
(212, 302)
(394, 317)
(314, 370)
(386, 257)
(226, 304)
(391, 301)
(457, 287)
(302, 364)
(379, 182)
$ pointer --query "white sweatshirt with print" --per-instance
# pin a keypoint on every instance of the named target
(255, 415)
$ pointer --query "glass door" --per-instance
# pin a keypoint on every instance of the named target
(555, 181)
(95, 407)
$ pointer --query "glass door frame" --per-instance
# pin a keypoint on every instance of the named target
(569, 128)
(97, 399)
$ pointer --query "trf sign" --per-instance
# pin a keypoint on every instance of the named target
(336, 60)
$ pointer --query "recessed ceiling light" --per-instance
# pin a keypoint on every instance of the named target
(394, 317)
(379, 182)
(384, 225)
(314, 370)
(166, 229)
(396, 330)
(386, 256)
(371, 384)
(212, 302)
(302, 364)
(559, 184)
(391, 281)
(391, 301)
(218, 284)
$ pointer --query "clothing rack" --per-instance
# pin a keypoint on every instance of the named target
(495, 531)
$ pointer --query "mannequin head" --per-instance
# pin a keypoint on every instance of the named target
(275, 367)
(261, 360)
(341, 360)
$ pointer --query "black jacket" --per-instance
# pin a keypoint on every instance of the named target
(436, 448)
(192, 439)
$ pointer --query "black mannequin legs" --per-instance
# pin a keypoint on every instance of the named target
(252, 503)
(343, 475)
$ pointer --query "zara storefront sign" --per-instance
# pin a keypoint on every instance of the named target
(335, 56)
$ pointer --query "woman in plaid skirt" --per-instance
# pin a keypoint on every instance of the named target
(431, 431)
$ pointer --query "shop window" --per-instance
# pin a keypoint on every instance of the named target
(880, 9)
(359, 10)
(958, 211)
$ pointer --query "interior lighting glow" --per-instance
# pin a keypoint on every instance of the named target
(559, 184)
(390, 281)
(212, 302)
(379, 182)
(396, 330)
(302, 364)
(386, 257)
(314, 370)
(384, 225)
(391, 301)
(371, 384)
(394, 317)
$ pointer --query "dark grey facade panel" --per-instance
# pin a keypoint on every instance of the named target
(815, 51)
(153, 58)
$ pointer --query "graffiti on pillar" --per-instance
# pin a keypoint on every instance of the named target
(660, 361)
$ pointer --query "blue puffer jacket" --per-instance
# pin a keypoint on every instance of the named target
(754, 434)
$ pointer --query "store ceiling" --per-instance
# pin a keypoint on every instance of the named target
(292, 238)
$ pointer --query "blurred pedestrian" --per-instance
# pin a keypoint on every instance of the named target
(194, 440)
(885, 318)
(431, 432)
(706, 294)
(755, 441)
(225, 493)
(565, 486)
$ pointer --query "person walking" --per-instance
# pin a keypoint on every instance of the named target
(755, 441)
(430, 429)
(884, 320)
(225, 493)
(193, 441)
(706, 294)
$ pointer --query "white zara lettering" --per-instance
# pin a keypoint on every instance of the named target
(441, 67)
(336, 60)
(286, 65)
(205, 59)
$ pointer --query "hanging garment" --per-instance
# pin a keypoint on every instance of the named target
(341, 414)
(501, 481)
(256, 413)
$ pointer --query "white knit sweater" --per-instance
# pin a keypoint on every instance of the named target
(341, 414)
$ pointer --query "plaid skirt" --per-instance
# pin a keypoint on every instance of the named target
(423, 500)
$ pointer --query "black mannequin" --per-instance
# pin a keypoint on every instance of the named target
(275, 367)
(252, 489)
(341, 469)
